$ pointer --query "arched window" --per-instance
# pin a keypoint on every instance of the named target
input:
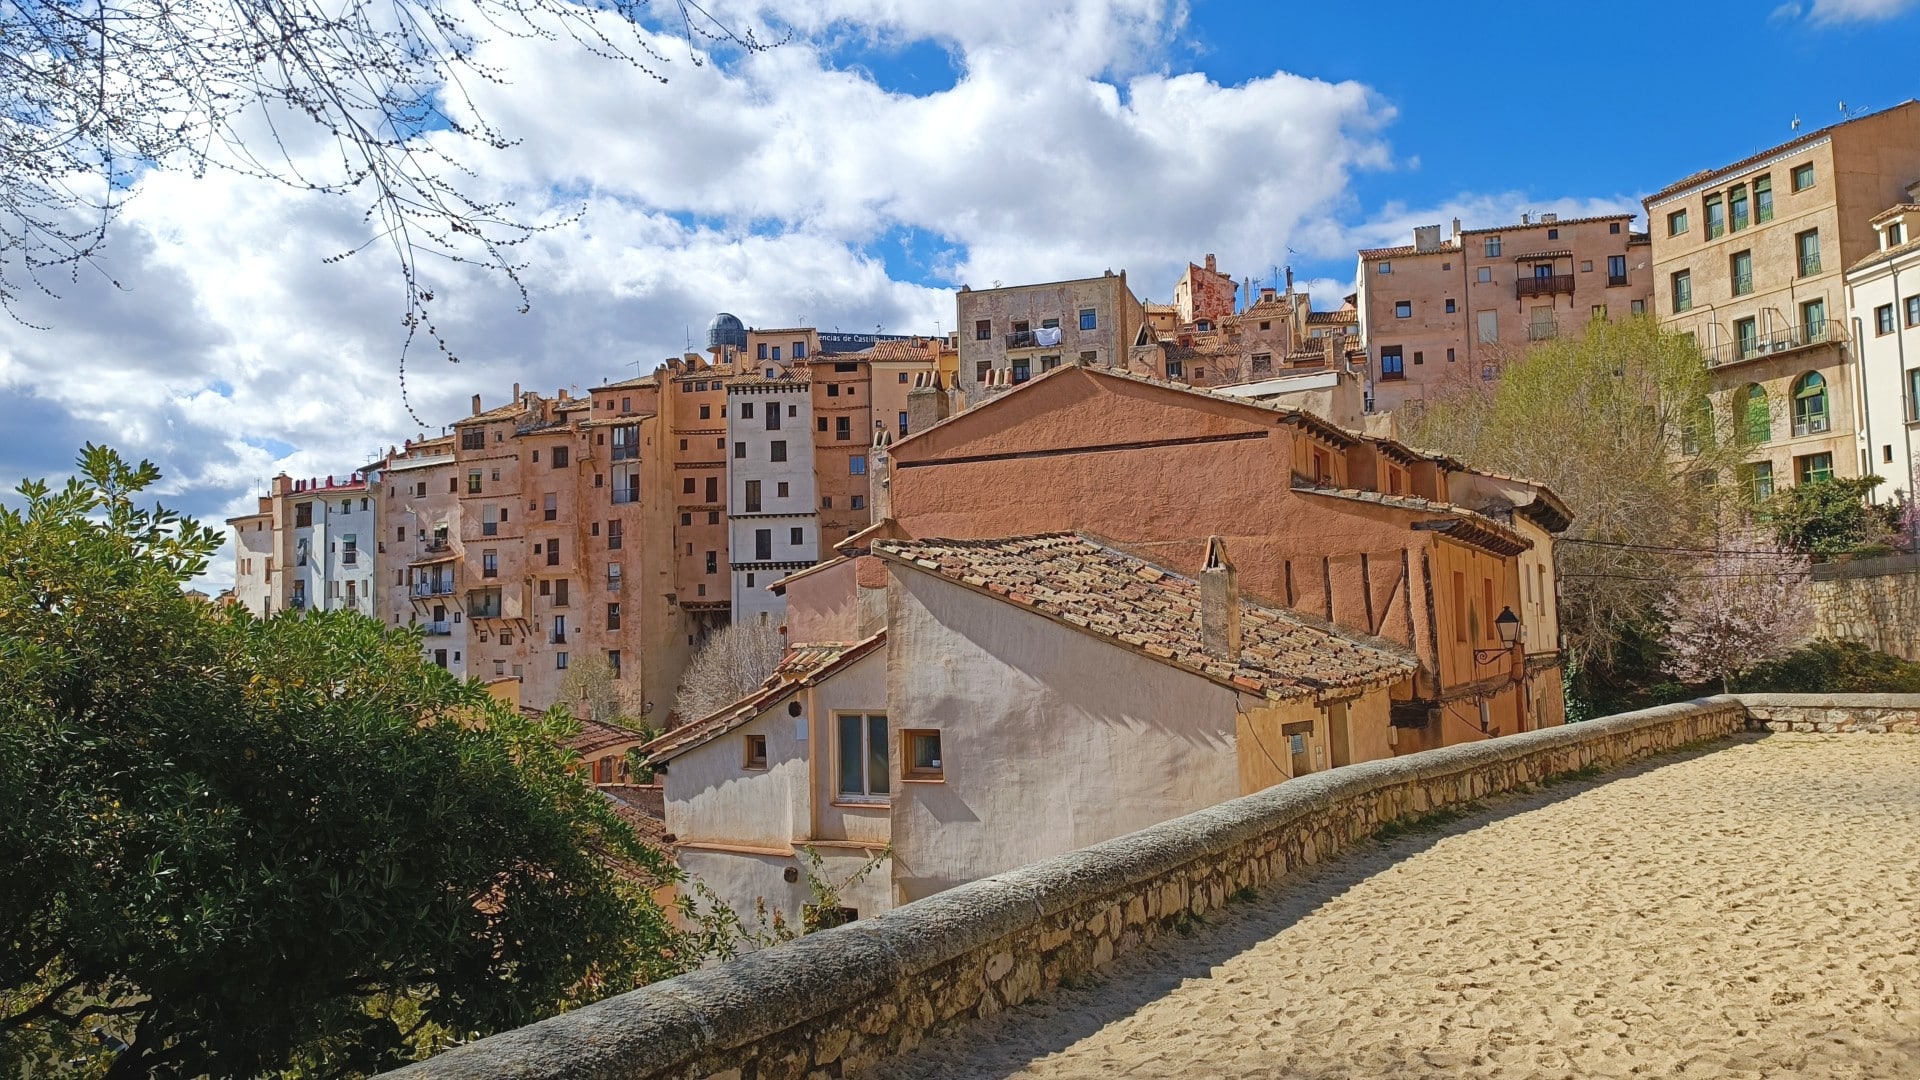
(1757, 422)
(1810, 416)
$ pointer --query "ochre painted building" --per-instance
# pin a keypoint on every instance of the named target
(1439, 311)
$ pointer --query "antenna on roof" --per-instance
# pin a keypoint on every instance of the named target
(1796, 122)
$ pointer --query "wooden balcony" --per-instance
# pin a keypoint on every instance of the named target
(1543, 286)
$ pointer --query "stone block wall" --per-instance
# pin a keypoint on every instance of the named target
(831, 1004)
(1873, 601)
(1875, 713)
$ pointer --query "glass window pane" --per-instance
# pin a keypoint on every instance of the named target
(850, 756)
(926, 752)
(877, 775)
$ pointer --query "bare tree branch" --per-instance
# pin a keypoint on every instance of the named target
(97, 93)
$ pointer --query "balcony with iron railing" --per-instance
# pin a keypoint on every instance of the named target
(1614, 281)
(433, 587)
(1742, 284)
(1542, 331)
(1775, 341)
(1545, 285)
(1809, 264)
(1812, 423)
(439, 628)
(483, 605)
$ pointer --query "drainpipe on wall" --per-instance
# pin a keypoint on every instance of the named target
(1860, 392)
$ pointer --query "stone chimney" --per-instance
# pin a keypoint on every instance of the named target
(476, 404)
(1456, 228)
(1426, 238)
(1212, 267)
(927, 402)
(1219, 603)
(1548, 219)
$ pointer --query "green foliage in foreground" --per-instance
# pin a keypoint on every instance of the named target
(1834, 517)
(1833, 667)
(253, 846)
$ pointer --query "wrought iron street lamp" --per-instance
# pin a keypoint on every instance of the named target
(1508, 625)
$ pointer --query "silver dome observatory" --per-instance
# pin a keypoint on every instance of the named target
(726, 330)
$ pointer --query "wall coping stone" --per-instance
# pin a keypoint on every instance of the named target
(1830, 701)
(657, 1028)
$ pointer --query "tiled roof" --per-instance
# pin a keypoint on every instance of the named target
(1467, 526)
(1802, 140)
(1333, 316)
(1403, 251)
(498, 412)
(644, 807)
(1146, 609)
(1538, 224)
(629, 384)
(1892, 212)
(598, 735)
(802, 666)
(1888, 255)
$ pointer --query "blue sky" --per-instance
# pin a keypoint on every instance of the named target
(890, 152)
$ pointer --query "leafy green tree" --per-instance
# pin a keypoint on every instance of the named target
(1833, 517)
(1616, 421)
(250, 846)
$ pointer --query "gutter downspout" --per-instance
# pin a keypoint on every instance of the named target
(1860, 391)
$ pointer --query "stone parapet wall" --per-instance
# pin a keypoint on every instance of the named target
(832, 1003)
(1875, 713)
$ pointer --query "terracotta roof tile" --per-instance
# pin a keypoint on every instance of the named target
(802, 665)
(1469, 526)
(1887, 255)
(1133, 603)
(644, 807)
(598, 735)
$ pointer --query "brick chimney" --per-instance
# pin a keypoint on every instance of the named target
(1219, 603)
(476, 404)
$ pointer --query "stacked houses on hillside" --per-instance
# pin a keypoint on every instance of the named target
(1058, 632)
(1095, 562)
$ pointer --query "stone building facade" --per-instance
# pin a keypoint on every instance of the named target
(1441, 310)
(1749, 259)
(1009, 335)
(418, 492)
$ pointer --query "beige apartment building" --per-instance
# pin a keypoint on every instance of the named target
(417, 489)
(1749, 259)
(551, 529)
(1008, 335)
(1436, 310)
